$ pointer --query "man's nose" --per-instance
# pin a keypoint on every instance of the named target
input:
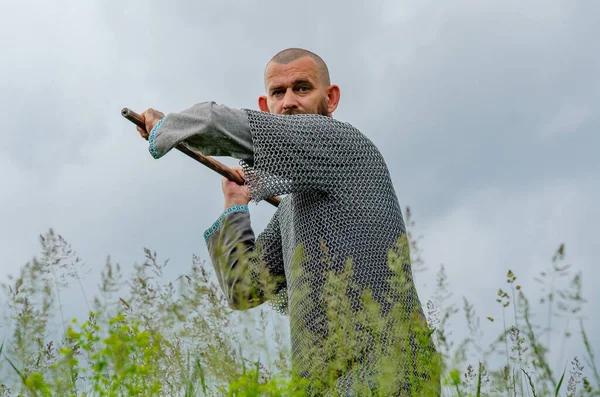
(289, 100)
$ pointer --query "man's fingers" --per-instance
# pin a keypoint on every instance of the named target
(148, 118)
(143, 133)
(151, 118)
(239, 171)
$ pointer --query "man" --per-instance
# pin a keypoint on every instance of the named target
(323, 257)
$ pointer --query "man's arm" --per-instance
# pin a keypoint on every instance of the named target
(208, 128)
(249, 272)
(307, 153)
(246, 270)
(281, 154)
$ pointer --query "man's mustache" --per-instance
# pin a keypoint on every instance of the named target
(293, 111)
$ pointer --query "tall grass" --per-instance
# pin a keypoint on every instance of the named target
(146, 335)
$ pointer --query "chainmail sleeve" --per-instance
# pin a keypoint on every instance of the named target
(299, 153)
(267, 267)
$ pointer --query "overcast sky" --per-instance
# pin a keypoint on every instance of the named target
(486, 113)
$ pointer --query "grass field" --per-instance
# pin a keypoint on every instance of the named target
(148, 336)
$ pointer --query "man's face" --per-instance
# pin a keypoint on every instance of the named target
(296, 88)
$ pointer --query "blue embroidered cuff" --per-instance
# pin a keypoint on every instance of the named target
(215, 226)
(152, 139)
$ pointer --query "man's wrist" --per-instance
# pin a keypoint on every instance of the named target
(233, 201)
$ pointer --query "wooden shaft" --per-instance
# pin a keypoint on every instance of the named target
(211, 163)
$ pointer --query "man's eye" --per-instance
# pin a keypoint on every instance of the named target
(303, 89)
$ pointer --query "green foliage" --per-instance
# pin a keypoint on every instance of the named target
(145, 336)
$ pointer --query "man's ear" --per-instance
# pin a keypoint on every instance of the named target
(333, 98)
(262, 104)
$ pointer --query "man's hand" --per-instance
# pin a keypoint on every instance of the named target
(151, 117)
(233, 193)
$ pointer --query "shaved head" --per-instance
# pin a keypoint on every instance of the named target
(297, 82)
(292, 54)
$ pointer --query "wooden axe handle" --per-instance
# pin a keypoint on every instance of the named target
(211, 163)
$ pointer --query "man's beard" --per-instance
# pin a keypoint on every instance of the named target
(321, 109)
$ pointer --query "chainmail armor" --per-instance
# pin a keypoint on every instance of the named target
(339, 195)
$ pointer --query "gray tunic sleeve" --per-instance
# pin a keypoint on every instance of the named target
(249, 272)
(208, 128)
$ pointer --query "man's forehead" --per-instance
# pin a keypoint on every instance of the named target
(303, 68)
